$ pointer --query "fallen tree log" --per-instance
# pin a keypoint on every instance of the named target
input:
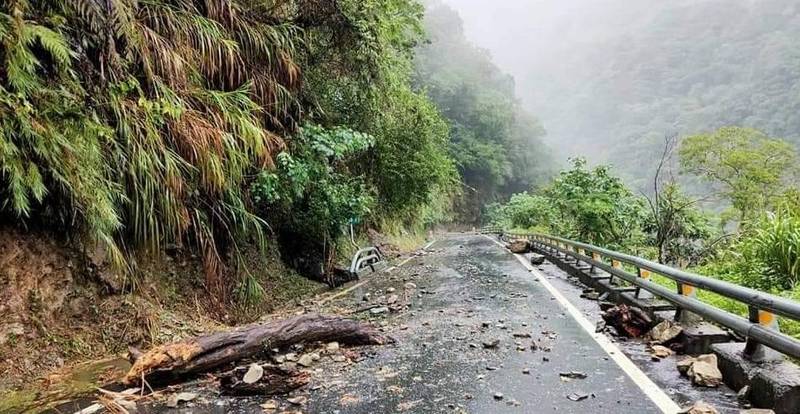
(166, 363)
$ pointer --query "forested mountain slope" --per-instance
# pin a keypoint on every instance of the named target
(614, 78)
(496, 144)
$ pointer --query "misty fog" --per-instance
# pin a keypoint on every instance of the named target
(609, 78)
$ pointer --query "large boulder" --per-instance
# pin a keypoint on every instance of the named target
(703, 370)
(664, 333)
(519, 246)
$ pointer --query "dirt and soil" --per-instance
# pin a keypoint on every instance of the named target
(58, 310)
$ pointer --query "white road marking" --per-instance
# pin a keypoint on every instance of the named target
(653, 391)
(389, 270)
(339, 294)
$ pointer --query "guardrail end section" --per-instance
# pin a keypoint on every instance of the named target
(364, 258)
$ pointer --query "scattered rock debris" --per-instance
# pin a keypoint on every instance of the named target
(660, 352)
(590, 294)
(379, 310)
(253, 374)
(300, 400)
(702, 370)
(664, 333)
(573, 375)
(519, 246)
(537, 259)
(175, 399)
(699, 407)
(577, 396)
(491, 344)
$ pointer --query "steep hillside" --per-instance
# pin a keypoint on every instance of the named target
(59, 307)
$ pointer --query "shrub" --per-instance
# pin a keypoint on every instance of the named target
(311, 191)
(771, 246)
(523, 210)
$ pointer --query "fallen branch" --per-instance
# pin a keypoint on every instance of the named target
(166, 363)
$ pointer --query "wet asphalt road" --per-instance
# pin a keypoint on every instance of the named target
(448, 300)
(470, 291)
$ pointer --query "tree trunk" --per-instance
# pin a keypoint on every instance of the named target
(193, 356)
(661, 250)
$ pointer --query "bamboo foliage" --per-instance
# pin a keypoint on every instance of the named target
(773, 245)
(143, 123)
(144, 118)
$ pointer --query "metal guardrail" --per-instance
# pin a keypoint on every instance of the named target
(761, 328)
(366, 257)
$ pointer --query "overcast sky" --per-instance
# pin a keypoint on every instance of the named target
(529, 38)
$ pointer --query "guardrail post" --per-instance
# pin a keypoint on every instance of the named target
(596, 258)
(688, 291)
(616, 264)
(755, 351)
(582, 253)
(644, 274)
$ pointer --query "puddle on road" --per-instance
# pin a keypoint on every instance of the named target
(70, 386)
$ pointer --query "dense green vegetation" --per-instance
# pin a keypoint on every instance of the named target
(754, 173)
(216, 126)
(747, 168)
(494, 142)
(581, 203)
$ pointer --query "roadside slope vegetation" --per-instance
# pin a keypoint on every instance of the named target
(136, 126)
